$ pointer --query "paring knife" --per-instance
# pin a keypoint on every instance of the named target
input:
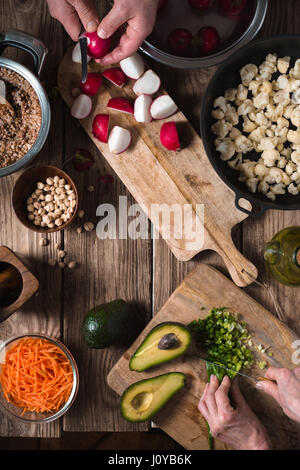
(256, 379)
(83, 50)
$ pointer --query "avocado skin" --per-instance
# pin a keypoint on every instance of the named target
(103, 325)
(163, 401)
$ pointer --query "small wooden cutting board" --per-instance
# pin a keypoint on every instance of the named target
(203, 289)
(155, 175)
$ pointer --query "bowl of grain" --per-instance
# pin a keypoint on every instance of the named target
(45, 199)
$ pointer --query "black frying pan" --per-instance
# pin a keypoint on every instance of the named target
(227, 76)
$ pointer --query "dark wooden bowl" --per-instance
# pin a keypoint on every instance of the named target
(29, 285)
(24, 187)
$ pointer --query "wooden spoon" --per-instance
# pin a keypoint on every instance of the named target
(3, 100)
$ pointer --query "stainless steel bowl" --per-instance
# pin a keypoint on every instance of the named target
(38, 51)
(182, 17)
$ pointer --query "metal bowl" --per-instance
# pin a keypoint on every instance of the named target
(234, 34)
(38, 51)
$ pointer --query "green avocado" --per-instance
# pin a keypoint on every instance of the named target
(103, 325)
(162, 344)
(144, 399)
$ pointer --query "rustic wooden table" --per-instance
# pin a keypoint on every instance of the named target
(143, 272)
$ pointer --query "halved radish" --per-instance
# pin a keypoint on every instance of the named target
(100, 127)
(133, 66)
(148, 84)
(163, 107)
(115, 76)
(119, 139)
(142, 108)
(92, 84)
(169, 136)
(97, 47)
(120, 104)
(76, 54)
(82, 107)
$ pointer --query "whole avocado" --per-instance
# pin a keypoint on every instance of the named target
(103, 325)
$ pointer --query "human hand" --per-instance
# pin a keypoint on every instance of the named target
(140, 18)
(73, 14)
(237, 427)
(286, 390)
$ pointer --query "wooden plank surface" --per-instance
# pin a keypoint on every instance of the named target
(191, 300)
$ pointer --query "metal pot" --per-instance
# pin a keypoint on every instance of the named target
(227, 76)
(38, 51)
(257, 12)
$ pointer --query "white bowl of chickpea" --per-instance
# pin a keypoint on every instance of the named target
(45, 199)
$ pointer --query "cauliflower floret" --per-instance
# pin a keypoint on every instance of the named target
(296, 96)
(241, 93)
(235, 162)
(252, 183)
(248, 72)
(263, 187)
(281, 123)
(217, 114)
(276, 174)
(287, 112)
(292, 189)
(283, 83)
(261, 119)
(272, 58)
(220, 102)
(283, 64)
(230, 94)
(278, 189)
(261, 100)
(295, 117)
(295, 73)
(268, 143)
(273, 113)
(282, 162)
(221, 128)
(281, 97)
(248, 126)
(271, 195)
(231, 115)
(247, 168)
(286, 152)
(266, 87)
(281, 136)
(258, 134)
(295, 157)
(243, 144)
(270, 157)
(294, 84)
(226, 148)
(293, 136)
(290, 168)
(253, 87)
(246, 107)
(234, 133)
(261, 170)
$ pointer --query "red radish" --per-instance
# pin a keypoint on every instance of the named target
(81, 107)
(162, 5)
(163, 107)
(116, 76)
(142, 108)
(75, 92)
(201, 4)
(169, 136)
(120, 104)
(83, 160)
(133, 66)
(232, 7)
(92, 84)
(100, 127)
(119, 139)
(97, 47)
(180, 42)
(147, 84)
(76, 54)
(207, 40)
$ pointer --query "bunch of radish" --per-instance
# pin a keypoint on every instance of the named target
(144, 110)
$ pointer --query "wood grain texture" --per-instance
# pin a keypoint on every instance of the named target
(180, 418)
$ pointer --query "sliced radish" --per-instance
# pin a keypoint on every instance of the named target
(163, 107)
(92, 84)
(120, 104)
(169, 136)
(97, 47)
(82, 107)
(100, 127)
(116, 76)
(142, 108)
(76, 54)
(133, 66)
(119, 139)
(148, 84)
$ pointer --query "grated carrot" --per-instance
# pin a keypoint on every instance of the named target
(36, 376)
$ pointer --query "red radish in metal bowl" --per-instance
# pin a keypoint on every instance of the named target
(92, 84)
(207, 40)
(82, 107)
(100, 127)
(115, 76)
(97, 47)
(232, 8)
(119, 139)
(147, 84)
(163, 107)
(120, 104)
(169, 136)
(133, 66)
(142, 108)
(179, 42)
(201, 4)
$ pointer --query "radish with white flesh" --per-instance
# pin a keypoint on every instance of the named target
(115, 76)
(120, 104)
(133, 66)
(142, 108)
(169, 136)
(163, 107)
(119, 139)
(100, 127)
(82, 107)
(76, 54)
(148, 84)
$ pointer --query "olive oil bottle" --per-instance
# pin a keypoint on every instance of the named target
(11, 284)
(282, 256)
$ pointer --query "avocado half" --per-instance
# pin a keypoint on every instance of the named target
(162, 344)
(142, 400)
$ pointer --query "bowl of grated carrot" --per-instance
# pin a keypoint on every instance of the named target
(38, 378)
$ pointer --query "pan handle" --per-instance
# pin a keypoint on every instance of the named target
(246, 211)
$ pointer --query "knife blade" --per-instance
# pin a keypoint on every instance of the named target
(256, 379)
(83, 50)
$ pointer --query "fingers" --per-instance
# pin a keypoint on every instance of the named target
(222, 398)
(128, 45)
(202, 405)
(270, 388)
(72, 25)
(88, 14)
(117, 16)
(236, 394)
(210, 399)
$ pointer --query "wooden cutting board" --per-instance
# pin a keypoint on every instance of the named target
(155, 175)
(206, 287)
